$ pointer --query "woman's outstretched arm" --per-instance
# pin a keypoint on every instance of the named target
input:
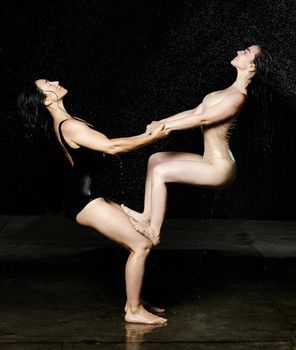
(225, 109)
(181, 115)
(77, 133)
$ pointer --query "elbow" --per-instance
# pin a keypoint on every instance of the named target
(111, 151)
(204, 122)
(115, 149)
(117, 152)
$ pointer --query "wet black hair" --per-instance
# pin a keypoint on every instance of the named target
(260, 98)
(35, 116)
(259, 88)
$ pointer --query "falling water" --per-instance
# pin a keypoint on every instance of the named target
(121, 176)
(215, 201)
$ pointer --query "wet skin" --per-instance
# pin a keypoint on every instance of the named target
(216, 116)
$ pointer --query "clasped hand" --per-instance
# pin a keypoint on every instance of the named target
(157, 127)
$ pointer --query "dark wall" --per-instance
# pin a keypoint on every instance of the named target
(127, 63)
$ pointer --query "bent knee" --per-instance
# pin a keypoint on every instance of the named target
(160, 173)
(142, 248)
(156, 158)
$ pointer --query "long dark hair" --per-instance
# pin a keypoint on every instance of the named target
(259, 89)
(35, 116)
(260, 98)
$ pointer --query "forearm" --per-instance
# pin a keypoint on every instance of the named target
(187, 122)
(177, 116)
(127, 144)
(82, 135)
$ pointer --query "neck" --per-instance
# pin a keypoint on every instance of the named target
(242, 81)
(58, 111)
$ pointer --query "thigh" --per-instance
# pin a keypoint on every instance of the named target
(112, 222)
(200, 173)
(161, 157)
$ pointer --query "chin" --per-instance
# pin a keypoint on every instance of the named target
(233, 62)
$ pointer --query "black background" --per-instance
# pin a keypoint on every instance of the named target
(128, 63)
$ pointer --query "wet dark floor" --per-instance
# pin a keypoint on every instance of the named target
(225, 285)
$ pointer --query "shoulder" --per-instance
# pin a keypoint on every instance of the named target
(236, 97)
(234, 100)
(71, 126)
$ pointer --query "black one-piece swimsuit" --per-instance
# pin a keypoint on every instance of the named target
(93, 175)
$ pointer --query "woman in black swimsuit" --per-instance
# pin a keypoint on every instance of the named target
(93, 157)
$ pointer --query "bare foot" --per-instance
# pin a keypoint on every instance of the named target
(146, 230)
(158, 310)
(147, 306)
(154, 309)
(143, 316)
(140, 217)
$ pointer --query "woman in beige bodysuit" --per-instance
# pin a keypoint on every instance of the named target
(216, 167)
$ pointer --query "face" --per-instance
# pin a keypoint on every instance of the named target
(52, 89)
(245, 58)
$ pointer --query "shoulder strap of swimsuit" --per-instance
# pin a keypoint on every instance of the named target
(65, 144)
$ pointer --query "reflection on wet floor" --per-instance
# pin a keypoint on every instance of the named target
(135, 334)
(61, 295)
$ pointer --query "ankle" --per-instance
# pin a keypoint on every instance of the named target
(132, 308)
